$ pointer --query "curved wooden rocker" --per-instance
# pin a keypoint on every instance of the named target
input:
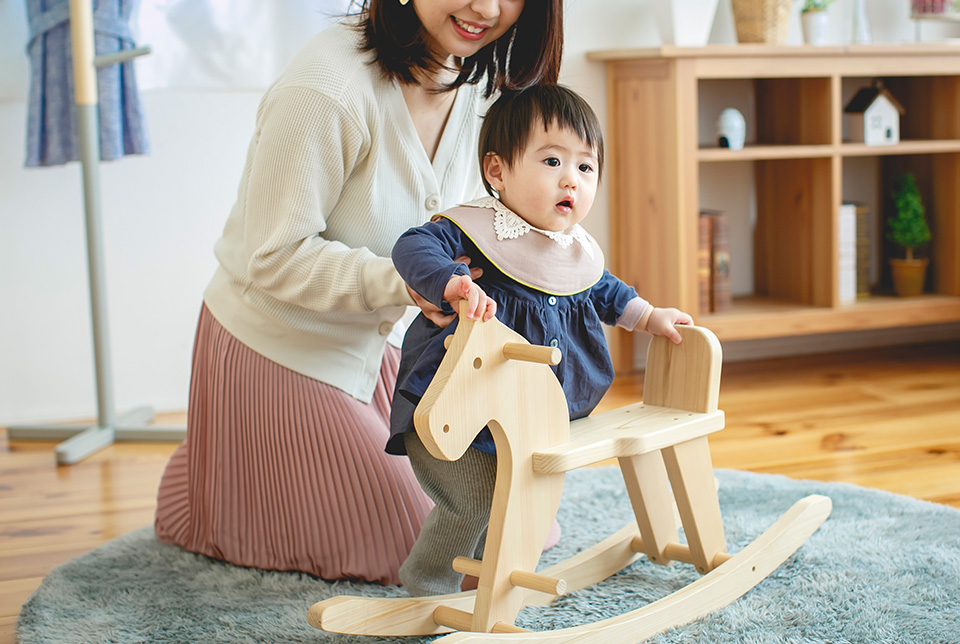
(493, 377)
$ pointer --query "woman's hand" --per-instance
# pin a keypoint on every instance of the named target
(479, 306)
(662, 320)
(431, 312)
(434, 313)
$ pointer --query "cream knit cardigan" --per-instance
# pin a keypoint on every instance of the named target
(334, 174)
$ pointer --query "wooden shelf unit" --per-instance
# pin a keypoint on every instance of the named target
(798, 155)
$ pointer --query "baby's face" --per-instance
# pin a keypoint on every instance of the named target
(553, 183)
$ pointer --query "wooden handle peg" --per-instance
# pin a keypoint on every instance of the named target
(532, 353)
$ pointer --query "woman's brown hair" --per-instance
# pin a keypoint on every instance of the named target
(529, 53)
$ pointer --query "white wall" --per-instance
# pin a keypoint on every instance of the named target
(162, 213)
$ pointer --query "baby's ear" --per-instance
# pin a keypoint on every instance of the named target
(493, 170)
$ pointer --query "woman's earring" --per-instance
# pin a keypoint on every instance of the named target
(404, 2)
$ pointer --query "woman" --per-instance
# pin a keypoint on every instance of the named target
(371, 130)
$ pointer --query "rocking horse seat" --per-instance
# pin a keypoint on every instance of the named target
(627, 431)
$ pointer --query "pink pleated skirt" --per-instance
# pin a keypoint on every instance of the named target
(283, 472)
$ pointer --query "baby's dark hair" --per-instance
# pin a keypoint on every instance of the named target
(510, 120)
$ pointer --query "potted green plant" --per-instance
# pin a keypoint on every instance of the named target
(908, 229)
(815, 21)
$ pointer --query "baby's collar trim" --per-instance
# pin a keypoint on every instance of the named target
(509, 225)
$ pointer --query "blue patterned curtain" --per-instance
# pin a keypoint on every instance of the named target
(51, 127)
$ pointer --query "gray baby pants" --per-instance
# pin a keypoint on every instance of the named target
(463, 492)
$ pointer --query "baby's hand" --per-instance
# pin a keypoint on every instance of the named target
(434, 313)
(461, 287)
(662, 320)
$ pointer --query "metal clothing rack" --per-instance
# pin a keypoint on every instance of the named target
(78, 441)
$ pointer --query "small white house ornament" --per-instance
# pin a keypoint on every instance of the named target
(731, 129)
(874, 117)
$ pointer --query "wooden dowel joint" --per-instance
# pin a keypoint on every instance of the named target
(677, 552)
(538, 582)
(467, 566)
(720, 557)
(503, 627)
(458, 620)
(461, 620)
(521, 578)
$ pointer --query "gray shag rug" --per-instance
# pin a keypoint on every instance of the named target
(882, 568)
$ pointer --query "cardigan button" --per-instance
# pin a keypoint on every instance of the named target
(552, 301)
(385, 328)
(554, 343)
(432, 203)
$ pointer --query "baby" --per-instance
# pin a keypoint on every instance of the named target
(541, 154)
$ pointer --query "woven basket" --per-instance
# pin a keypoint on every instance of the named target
(763, 21)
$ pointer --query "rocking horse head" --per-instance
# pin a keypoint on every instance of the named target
(477, 385)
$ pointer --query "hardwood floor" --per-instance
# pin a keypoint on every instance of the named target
(886, 418)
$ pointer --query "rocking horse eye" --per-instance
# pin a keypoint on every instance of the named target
(477, 363)
(446, 429)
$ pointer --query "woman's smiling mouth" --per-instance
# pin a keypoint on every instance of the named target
(468, 30)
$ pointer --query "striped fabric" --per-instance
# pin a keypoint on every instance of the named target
(283, 472)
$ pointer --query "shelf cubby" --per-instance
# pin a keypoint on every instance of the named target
(793, 239)
(800, 168)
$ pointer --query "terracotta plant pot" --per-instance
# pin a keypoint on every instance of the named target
(909, 276)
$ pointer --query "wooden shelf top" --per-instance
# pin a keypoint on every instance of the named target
(761, 152)
(914, 146)
(756, 317)
(750, 50)
(757, 152)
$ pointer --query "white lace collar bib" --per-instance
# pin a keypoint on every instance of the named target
(509, 225)
(554, 263)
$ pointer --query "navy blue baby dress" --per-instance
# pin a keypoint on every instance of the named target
(552, 290)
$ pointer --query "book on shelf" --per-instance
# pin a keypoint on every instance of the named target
(847, 254)
(703, 262)
(855, 253)
(713, 261)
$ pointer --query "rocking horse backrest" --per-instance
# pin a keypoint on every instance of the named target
(685, 375)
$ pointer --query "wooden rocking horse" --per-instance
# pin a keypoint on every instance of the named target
(491, 376)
